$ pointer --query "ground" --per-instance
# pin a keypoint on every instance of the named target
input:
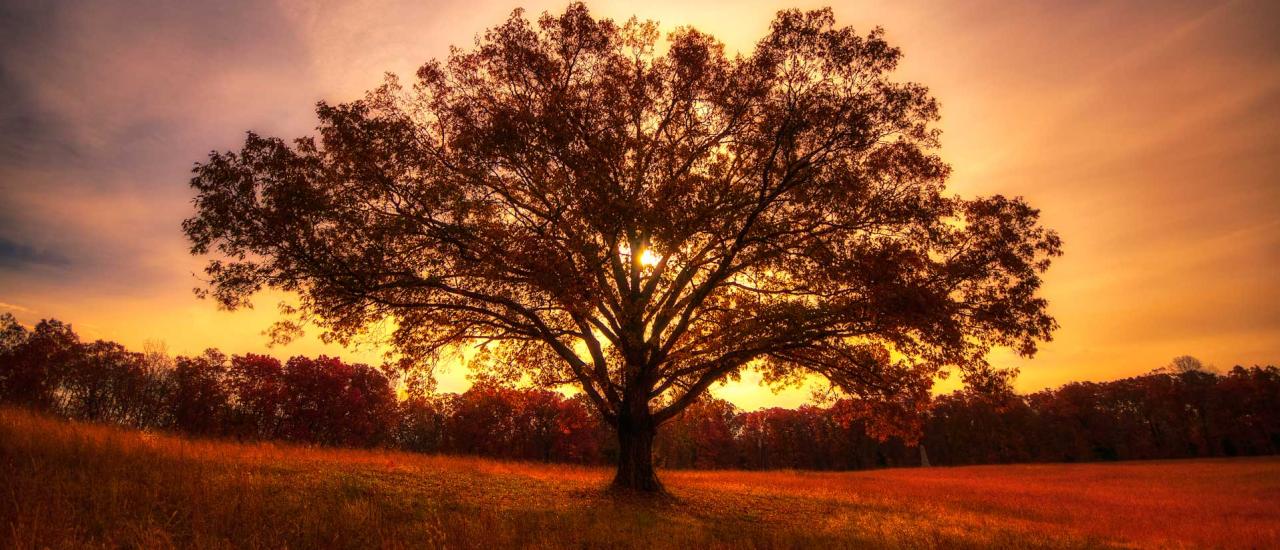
(65, 485)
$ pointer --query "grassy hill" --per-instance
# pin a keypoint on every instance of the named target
(65, 485)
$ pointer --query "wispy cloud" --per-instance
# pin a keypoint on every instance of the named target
(15, 308)
(15, 255)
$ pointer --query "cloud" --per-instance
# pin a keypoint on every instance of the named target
(19, 256)
(1146, 133)
(16, 308)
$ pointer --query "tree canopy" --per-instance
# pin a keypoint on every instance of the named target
(637, 217)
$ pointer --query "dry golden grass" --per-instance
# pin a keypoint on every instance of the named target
(72, 485)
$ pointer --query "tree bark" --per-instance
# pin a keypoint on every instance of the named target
(636, 430)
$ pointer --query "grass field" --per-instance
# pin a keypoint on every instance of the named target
(71, 485)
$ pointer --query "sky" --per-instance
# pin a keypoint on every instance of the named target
(1148, 133)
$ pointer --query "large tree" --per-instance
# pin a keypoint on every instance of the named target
(591, 205)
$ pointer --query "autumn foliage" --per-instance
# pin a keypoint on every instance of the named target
(1174, 412)
(638, 216)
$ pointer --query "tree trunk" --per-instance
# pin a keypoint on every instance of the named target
(635, 451)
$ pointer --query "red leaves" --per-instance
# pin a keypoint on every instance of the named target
(795, 195)
(1183, 410)
(494, 420)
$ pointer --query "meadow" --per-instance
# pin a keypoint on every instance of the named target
(74, 485)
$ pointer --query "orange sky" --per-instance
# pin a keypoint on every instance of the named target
(1148, 134)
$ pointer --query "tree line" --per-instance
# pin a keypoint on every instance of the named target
(1184, 410)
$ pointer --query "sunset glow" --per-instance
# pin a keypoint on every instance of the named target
(1148, 138)
(648, 258)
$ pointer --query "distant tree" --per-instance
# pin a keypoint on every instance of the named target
(1184, 364)
(34, 369)
(1248, 411)
(326, 400)
(106, 383)
(540, 423)
(421, 424)
(12, 333)
(199, 397)
(13, 340)
(859, 440)
(256, 384)
(483, 420)
(577, 428)
(153, 409)
(639, 221)
(984, 422)
(701, 436)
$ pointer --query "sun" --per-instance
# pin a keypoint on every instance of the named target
(648, 258)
